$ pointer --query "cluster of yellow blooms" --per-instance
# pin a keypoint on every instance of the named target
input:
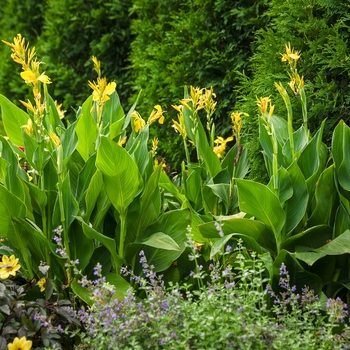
(156, 114)
(296, 83)
(24, 56)
(101, 90)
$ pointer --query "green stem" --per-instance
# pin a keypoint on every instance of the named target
(304, 109)
(122, 216)
(186, 151)
(290, 128)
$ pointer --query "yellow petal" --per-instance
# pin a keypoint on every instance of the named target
(110, 88)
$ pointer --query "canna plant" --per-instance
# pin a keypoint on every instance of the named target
(301, 217)
(77, 194)
(207, 182)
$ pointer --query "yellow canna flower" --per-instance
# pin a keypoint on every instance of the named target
(19, 50)
(28, 105)
(121, 142)
(265, 106)
(28, 128)
(139, 123)
(20, 344)
(42, 284)
(290, 55)
(97, 65)
(54, 138)
(102, 90)
(60, 111)
(8, 266)
(220, 147)
(156, 114)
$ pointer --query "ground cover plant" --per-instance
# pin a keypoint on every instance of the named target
(81, 201)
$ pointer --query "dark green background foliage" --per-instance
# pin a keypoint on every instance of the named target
(320, 30)
(200, 43)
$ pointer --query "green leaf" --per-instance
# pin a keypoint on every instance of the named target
(341, 154)
(13, 118)
(340, 245)
(150, 208)
(120, 173)
(313, 159)
(258, 200)
(108, 242)
(81, 246)
(11, 180)
(285, 189)
(81, 292)
(69, 141)
(295, 207)
(121, 286)
(86, 130)
(298, 275)
(10, 207)
(312, 238)
(193, 187)
(113, 114)
(326, 199)
(160, 240)
(174, 224)
(219, 245)
(341, 221)
(254, 229)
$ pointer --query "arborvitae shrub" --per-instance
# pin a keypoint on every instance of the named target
(320, 30)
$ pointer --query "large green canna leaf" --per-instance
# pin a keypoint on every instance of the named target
(86, 130)
(120, 173)
(254, 229)
(13, 118)
(9, 169)
(285, 189)
(113, 114)
(10, 207)
(296, 206)
(69, 141)
(338, 246)
(258, 200)
(341, 154)
(313, 159)
(174, 224)
(150, 208)
(300, 138)
(237, 166)
(341, 221)
(193, 186)
(162, 241)
(138, 149)
(311, 238)
(81, 246)
(108, 242)
(219, 245)
(298, 275)
(326, 199)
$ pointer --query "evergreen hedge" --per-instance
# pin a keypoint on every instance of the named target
(320, 30)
